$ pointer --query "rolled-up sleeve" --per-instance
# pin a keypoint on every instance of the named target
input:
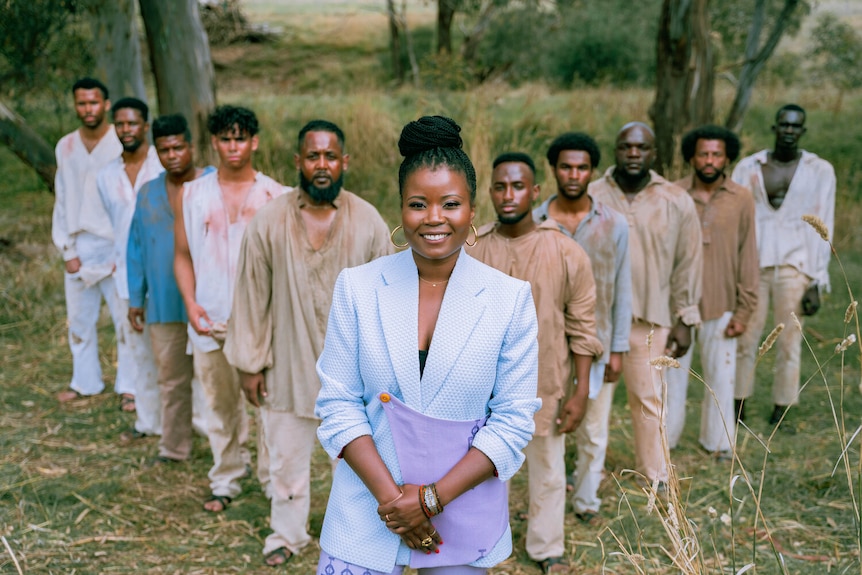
(340, 404)
(513, 403)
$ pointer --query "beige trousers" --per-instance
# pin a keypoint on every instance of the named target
(786, 285)
(546, 476)
(718, 359)
(290, 441)
(591, 439)
(175, 369)
(227, 422)
(644, 389)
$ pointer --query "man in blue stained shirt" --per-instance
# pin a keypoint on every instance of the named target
(153, 293)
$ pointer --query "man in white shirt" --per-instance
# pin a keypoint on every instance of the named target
(787, 183)
(118, 184)
(216, 208)
(82, 232)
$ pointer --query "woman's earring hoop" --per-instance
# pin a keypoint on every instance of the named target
(475, 233)
(392, 238)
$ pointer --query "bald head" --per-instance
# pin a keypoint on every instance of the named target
(634, 152)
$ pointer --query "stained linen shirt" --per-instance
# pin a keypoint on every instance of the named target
(77, 207)
(150, 255)
(284, 292)
(564, 293)
(604, 235)
(782, 237)
(730, 272)
(118, 196)
(664, 248)
(214, 243)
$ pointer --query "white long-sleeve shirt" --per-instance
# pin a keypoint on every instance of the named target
(782, 237)
(77, 207)
(118, 196)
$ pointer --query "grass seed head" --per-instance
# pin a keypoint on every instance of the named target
(845, 343)
(770, 340)
(818, 226)
(664, 361)
(851, 311)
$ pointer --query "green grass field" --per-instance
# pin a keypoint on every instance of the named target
(73, 499)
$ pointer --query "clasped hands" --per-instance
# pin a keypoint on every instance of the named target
(404, 517)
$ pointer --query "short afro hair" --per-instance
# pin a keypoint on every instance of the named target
(520, 157)
(710, 132)
(574, 141)
(226, 117)
(87, 83)
(132, 103)
(321, 126)
(171, 125)
(790, 108)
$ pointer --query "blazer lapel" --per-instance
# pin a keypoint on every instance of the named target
(460, 313)
(398, 302)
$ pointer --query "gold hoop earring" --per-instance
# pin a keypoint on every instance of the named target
(475, 233)
(392, 237)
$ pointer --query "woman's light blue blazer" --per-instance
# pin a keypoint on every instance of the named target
(483, 360)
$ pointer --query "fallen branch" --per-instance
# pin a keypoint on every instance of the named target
(105, 538)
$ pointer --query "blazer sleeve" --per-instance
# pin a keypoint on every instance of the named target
(513, 402)
(340, 404)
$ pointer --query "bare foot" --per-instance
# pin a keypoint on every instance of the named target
(127, 403)
(278, 557)
(217, 503)
(68, 395)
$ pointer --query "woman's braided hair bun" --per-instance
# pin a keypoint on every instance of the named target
(431, 142)
(427, 133)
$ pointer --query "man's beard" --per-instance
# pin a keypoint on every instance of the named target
(512, 220)
(132, 147)
(327, 194)
(709, 179)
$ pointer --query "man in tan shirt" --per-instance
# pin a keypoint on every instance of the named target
(666, 265)
(564, 290)
(291, 255)
(730, 280)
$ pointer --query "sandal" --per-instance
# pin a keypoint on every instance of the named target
(588, 518)
(127, 403)
(131, 435)
(68, 395)
(278, 557)
(223, 500)
(554, 565)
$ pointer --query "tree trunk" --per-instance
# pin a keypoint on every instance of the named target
(411, 54)
(394, 42)
(684, 75)
(180, 56)
(117, 47)
(756, 57)
(29, 146)
(445, 16)
(471, 42)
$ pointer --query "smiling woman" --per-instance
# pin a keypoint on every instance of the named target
(432, 410)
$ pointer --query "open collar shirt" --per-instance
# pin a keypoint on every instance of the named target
(782, 237)
(214, 243)
(77, 207)
(730, 272)
(118, 196)
(604, 235)
(664, 247)
(564, 292)
(284, 292)
(150, 255)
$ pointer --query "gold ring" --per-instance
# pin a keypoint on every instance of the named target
(433, 533)
(427, 542)
(387, 518)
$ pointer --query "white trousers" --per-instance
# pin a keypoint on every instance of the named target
(718, 359)
(591, 440)
(290, 441)
(139, 367)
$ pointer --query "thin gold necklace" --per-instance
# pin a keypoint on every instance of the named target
(432, 284)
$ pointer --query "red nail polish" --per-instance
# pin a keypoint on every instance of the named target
(436, 551)
(441, 542)
(427, 553)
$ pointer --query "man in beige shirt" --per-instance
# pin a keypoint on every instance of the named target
(666, 266)
(290, 257)
(730, 279)
(564, 290)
